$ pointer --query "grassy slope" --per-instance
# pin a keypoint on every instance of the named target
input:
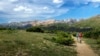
(93, 44)
(91, 22)
(23, 43)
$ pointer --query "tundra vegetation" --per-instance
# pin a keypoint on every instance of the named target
(51, 40)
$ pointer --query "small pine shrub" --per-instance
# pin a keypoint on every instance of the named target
(2, 28)
(92, 34)
(35, 29)
(63, 38)
(65, 41)
(62, 34)
(98, 41)
(74, 34)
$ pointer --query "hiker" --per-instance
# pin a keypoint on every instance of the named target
(80, 37)
(77, 35)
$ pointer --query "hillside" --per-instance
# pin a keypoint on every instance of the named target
(91, 37)
(93, 22)
(21, 43)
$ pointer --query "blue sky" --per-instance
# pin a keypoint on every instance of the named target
(27, 10)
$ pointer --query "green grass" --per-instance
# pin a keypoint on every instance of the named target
(93, 44)
(21, 43)
(91, 22)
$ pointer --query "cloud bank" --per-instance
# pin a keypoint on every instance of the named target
(23, 10)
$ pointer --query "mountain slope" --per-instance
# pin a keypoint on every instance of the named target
(93, 22)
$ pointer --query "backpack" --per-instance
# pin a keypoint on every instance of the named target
(80, 34)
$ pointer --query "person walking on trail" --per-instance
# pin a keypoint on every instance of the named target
(80, 37)
(77, 35)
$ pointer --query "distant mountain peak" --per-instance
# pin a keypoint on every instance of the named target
(98, 15)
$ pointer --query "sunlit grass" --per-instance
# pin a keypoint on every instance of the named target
(93, 43)
(21, 43)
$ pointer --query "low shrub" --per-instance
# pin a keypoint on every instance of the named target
(35, 29)
(63, 38)
(2, 28)
(74, 33)
(98, 41)
(92, 34)
(65, 41)
(62, 34)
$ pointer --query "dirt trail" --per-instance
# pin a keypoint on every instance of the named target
(83, 49)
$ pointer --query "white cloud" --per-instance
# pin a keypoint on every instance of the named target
(57, 1)
(23, 9)
(96, 5)
(1, 8)
(6, 5)
(45, 8)
(95, 0)
(12, 0)
(20, 8)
